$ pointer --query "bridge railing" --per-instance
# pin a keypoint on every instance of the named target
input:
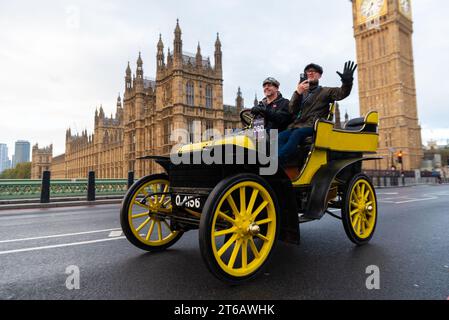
(391, 178)
(90, 188)
(63, 188)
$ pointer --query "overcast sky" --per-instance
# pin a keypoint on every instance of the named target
(59, 60)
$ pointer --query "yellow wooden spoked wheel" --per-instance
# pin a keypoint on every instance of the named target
(145, 214)
(238, 228)
(360, 210)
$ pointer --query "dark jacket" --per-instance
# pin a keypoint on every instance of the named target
(277, 115)
(307, 108)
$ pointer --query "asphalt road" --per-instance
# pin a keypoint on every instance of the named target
(410, 248)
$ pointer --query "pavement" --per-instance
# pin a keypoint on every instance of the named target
(18, 204)
(41, 248)
(59, 204)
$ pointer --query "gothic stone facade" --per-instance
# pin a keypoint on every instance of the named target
(186, 94)
(383, 33)
(41, 159)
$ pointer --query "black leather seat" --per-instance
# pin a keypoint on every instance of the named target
(355, 124)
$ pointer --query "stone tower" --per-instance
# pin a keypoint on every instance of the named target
(239, 101)
(138, 108)
(189, 91)
(383, 31)
(186, 96)
(41, 160)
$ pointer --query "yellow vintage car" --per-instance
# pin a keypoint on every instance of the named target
(241, 214)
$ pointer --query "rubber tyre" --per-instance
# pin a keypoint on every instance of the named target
(206, 222)
(124, 221)
(346, 219)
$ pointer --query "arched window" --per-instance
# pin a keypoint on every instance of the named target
(209, 130)
(191, 130)
(167, 131)
(209, 96)
(190, 93)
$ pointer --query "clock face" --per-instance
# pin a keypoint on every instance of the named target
(405, 6)
(371, 8)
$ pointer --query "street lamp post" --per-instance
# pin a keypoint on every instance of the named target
(401, 162)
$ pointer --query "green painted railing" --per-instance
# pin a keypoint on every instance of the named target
(31, 189)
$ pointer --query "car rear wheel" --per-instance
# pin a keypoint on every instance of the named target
(359, 212)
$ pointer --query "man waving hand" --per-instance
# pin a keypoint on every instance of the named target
(309, 103)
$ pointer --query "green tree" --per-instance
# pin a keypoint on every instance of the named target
(21, 171)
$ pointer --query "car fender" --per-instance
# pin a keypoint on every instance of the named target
(322, 181)
(164, 162)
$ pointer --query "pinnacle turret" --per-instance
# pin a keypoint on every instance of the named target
(177, 43)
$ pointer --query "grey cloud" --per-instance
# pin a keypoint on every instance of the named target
(76, 70)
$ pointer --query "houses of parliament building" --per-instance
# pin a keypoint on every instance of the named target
(186, 94)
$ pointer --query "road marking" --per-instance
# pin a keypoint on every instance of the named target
(440, 194)
(415, 200)
(60, 245)
(388, 193)
(39, 213)
(59, 235)
(396, 198)
(406, 199)
(114, 234)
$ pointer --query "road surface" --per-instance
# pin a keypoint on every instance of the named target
(410, 249)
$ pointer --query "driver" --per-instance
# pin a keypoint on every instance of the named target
(274, 107)
(310, 102)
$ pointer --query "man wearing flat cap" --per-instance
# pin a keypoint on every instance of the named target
(274, 108)
(309, 103)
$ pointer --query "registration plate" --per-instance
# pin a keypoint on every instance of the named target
(188, 201)
(259, 128)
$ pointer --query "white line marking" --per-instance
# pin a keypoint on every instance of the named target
(60, 245)
(388, 193)
(9, 215)
(58, 235)
(396, 198)
(415, 200)
(114, 234)
(441, 194)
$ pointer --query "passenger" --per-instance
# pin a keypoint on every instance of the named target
(310, 102)
(274, 107)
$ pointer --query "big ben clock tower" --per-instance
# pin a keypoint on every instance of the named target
(383, 32)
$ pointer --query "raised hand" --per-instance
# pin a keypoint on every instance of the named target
(348, 72)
